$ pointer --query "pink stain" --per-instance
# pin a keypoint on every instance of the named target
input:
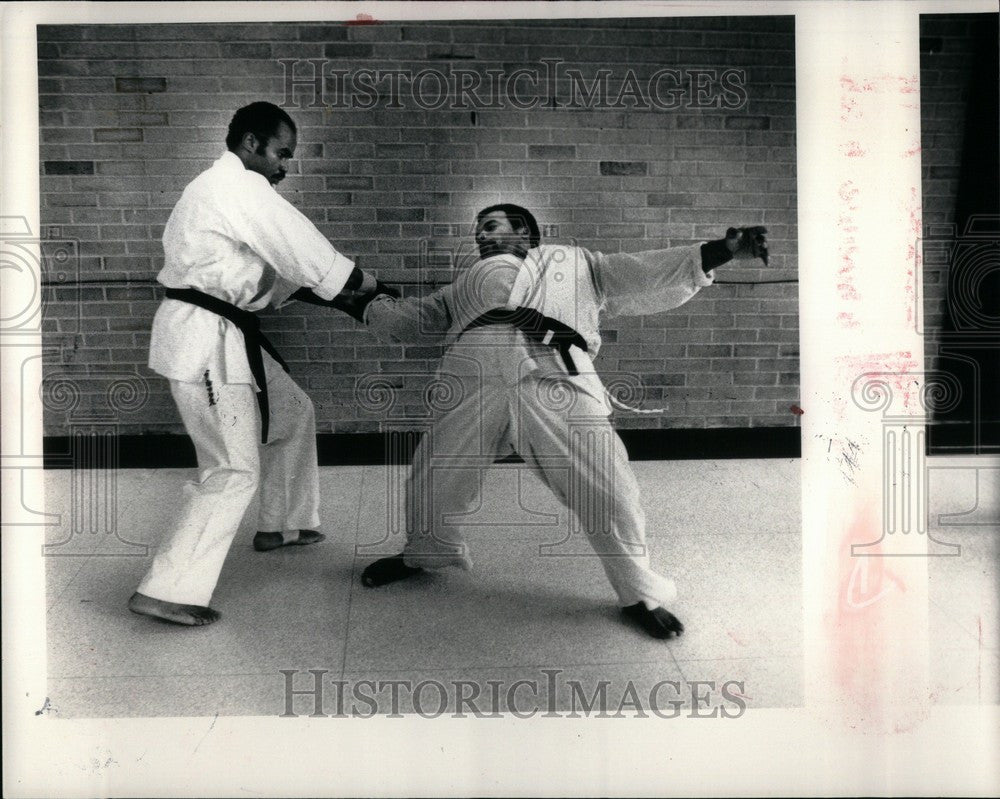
(858, 617)
(737, 640)
(896, 369)
(362, 19)
(911, 152)
(896, 579)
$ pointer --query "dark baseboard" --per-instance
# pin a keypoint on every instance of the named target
(341, 449)
(364, 449)
(961, 438)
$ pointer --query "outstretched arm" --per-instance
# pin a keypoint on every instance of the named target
(409, 320)
(633, 284)
(480, 287)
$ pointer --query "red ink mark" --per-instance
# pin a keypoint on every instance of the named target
(881, 84)
(913, 255)
(847, 291)
(853, 88)
(846, 107)
(796, 410)
(912, 151)
(362, 19)
(916, 223)
(847, 247)
(895, 370)
(853, 149)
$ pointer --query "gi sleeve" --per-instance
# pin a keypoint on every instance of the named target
(282, 293)
(482, 287)
(285, 238)
(632, 284)
(410, 320)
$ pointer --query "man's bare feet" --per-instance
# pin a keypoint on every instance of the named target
(658, 622)
(387, 570)
(264, 542)
(189, 615)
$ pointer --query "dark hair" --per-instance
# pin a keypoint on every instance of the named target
(520, 218)
(261, 119)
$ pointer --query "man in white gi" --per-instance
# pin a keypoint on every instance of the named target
(232, 246)
(522, 324)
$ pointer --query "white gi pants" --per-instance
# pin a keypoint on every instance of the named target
(224, 424)
(508, 391)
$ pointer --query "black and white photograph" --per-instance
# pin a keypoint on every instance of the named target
(423, 388)
(642, 160)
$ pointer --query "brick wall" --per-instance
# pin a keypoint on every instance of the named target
(130, 114)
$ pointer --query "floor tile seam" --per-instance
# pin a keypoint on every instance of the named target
(539, 667)
(506, 667)
(352, 582)
(57, 599)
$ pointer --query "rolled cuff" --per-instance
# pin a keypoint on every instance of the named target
(333, 281)
(701, 277)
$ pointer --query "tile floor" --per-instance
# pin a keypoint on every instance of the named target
(521, 614)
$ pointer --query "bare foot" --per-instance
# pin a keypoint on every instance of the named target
(387, 570)
(658, 622)
(189, 615)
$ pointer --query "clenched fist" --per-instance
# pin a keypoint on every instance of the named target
(747, 242)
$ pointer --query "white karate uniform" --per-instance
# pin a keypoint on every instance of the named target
(513, 392)
(233, 236)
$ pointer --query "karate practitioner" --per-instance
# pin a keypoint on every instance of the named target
(233, 246)
(523, 325)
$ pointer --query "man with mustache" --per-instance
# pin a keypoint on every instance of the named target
(523, 325)
(233, 246)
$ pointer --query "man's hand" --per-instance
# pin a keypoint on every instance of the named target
(740, 242)
(351, 301)
(747, 242)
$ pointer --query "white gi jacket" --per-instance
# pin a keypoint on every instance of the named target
(570, 284)
(233, 236)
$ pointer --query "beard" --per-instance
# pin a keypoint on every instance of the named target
(490, 248)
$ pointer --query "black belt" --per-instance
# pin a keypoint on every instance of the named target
(253, 340)
(537, 327)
